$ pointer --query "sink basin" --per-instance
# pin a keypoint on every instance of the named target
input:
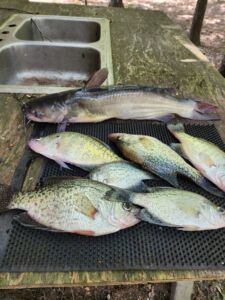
(57, 65)
(49, 29)
(47, 54)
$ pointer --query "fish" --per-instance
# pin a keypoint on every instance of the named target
(80, 206)
(183, 210)
(78, 149)
(160, 159)
(204, 155)
(121, 102)
(121, 174)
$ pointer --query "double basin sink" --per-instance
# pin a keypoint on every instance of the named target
(47, 54)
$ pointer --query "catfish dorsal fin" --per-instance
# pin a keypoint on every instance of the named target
(97, 79)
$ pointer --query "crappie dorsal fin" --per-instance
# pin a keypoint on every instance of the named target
(122, 195)
(25, 220)
(159, 189)
(57, 180)
(179, 127)
(103, 143)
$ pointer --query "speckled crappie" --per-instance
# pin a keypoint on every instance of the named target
(159, 159)
(205, 156)
(78, 206)
(177, 208)
(121, 102)
(121, 174)
(75, 148)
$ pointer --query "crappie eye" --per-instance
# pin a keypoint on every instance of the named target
(126, 206)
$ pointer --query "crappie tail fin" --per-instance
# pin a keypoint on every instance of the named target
(204, 111)
(209, 187)
(6, 195)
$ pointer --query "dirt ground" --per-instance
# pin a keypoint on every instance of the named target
(213, 45)
(207, 290)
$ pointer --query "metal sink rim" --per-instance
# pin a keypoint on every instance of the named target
(103, 45)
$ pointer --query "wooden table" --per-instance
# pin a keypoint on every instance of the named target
(148, 49)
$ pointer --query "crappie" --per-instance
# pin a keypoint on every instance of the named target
(160, 159)
(205, 156)
(121, 174)
(177, 208)
(75, 148)
(128, 102)
(78, 206)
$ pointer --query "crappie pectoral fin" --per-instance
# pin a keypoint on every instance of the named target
(97, 79)
(25, 220)
(206, 159)
(84, 205)
(178, 148)
(158, 188)
(62, 164)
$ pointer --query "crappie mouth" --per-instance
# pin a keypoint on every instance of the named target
(37, 146)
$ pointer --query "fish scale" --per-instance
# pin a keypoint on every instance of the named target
(205, 156)
(122, 102)
(75, 148)
(178, 208)
(160, 159)
(79, 206)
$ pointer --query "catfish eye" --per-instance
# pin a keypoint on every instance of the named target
(37, 113)
(126, 206)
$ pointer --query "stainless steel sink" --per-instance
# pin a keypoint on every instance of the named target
(47, 54)
(63, 30)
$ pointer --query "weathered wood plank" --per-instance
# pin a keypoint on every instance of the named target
(34, 280)
(12, 136)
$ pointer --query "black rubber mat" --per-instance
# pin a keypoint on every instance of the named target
(143, 246)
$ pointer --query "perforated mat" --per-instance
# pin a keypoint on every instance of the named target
(143, 246)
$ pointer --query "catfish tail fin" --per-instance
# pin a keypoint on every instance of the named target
(204, 111)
